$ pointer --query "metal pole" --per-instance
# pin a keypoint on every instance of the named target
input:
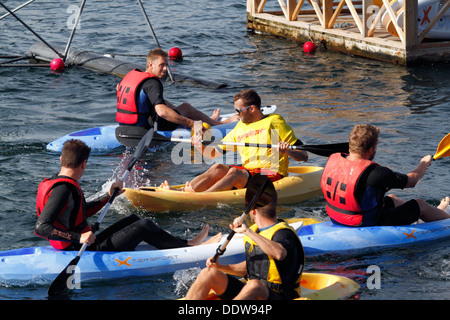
(14, 10)
(40, 38)
(73, 29)
(153, 33)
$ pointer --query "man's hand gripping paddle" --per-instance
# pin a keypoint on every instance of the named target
(60, 283)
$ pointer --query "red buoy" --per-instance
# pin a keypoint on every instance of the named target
(175, 54)
(309, 47)
(57, 64)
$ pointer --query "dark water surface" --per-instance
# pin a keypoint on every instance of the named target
(321, 96)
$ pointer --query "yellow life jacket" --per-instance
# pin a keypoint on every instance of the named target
(263, 267)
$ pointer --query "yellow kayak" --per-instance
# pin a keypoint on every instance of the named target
(302, 183)
(319, 286)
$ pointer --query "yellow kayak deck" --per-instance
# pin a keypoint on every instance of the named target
(302, 183)
(321, 286)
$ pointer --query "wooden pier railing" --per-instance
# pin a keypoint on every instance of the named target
(367, 14)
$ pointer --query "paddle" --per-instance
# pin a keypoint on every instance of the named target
(443, 149)
(320, 149)
(260, 191)
(130, 136)
(60, 283)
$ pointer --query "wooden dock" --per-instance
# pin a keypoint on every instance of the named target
(358, 27)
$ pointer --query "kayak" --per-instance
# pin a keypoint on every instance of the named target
(328, 238)
(39, 265)
(103, 139)
(303, 183)
(320, 286)
(427, 11)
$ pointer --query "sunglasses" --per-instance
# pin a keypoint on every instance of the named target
(240, 110)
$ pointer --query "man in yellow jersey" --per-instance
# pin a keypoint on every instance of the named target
(253, 127)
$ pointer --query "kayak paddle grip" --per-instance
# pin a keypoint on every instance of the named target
(95, 227)
(221, 249)
(219, 252)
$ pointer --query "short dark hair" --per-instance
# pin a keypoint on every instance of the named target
(73, 153)
(249, 97)
(270, 209)
(270, 197)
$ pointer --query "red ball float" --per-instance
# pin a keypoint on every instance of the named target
(309, 47)
(175, 54)
(57, 64)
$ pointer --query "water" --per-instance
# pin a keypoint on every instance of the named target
(322, 96)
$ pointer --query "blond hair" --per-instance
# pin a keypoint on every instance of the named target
(362, 138)
(155, 54)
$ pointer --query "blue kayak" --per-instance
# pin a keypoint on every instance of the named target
(327, 238)
(103, 139)
(40, 265)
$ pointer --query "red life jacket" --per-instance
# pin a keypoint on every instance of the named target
(127, 109)
(339, 180)
(44, 191)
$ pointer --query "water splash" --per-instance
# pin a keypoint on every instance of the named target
(184, 279)
(136, 178)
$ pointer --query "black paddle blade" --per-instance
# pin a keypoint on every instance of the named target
(130, 136)
(325, 150)
(60, 283)
(267, 193)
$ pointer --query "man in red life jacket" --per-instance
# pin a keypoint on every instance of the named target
(354, 187)
(63, 211)
(140, 97)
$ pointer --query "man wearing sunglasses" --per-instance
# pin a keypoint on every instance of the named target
(253, 127)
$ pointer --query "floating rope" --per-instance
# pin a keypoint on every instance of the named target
(200, 55)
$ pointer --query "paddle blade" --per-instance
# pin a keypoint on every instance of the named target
(141, 148)
(443, 149)
(61, 281)
(260, 188)
(325, 150)
(130, 136)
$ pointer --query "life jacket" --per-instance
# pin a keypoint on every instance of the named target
(79, 224)
(263, 267)
(127, 93)
(339, 179)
